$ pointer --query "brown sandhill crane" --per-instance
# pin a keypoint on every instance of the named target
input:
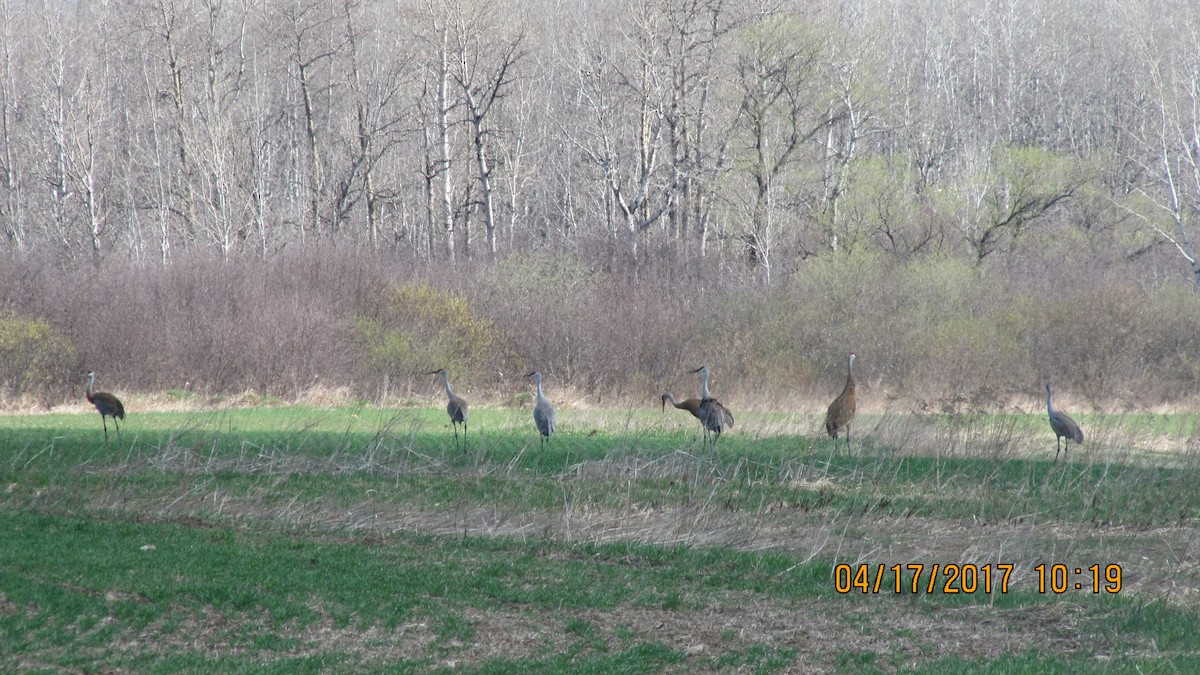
(1062, 424)
(841, 411)
(456, 408)
(544, 415)
(715, 417)
(106, 404)
(691, 405)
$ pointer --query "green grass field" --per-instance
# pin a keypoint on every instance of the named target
(298, 539)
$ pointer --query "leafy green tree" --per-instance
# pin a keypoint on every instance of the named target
(1016, 187)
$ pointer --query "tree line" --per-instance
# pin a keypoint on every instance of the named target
(632, 131)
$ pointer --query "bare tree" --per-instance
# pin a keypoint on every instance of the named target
(437, 106)
(780, 110)
(520, 151)
(694, 34)
(312, 43)
(12, 178)
(164, 21)
(482, 71)
(223, 159)
(375, 88)
(633, 130)
(1170, 138)
(75, 115)
(626, 98)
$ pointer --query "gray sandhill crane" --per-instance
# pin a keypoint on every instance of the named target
(715, 417)
(841, 411)
(106, 404)
(1062, 424)
(544, 415)
(456, 408)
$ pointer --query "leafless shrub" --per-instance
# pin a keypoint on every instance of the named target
(932, 335)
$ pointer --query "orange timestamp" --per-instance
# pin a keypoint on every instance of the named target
(951, 578)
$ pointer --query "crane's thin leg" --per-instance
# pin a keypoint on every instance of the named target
(1057, 450)
(118, 428)
(105, 423)
(849, 451)
(454, 426)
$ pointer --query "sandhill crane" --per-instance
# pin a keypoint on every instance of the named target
(543, 413)
(1062, 424)
(456, 408)
(715, 417)
(841, 411)
(691, 405)
(106, 404)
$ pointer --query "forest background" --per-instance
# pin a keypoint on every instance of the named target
(297, 196)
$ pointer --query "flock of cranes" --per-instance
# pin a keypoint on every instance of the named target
(714, 417)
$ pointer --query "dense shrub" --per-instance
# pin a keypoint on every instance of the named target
(36, 360)
(605, 335)
(210, 325)
(931, 333)
(421, 328)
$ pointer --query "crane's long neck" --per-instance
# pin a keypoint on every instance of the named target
(446, 381)
(1049, 402)
(540, 396)
(671, 397)
(704, 393)
(850, 373)
(91, 388)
